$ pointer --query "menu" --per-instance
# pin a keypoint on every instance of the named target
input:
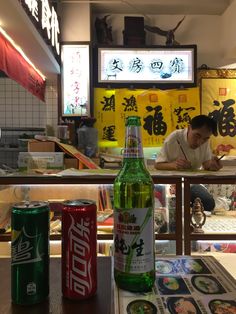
(184, 284)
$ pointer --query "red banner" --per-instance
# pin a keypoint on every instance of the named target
(18, 69)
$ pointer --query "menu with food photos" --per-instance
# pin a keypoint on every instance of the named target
(183, 285)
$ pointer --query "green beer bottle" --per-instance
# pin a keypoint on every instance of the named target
(134, 239)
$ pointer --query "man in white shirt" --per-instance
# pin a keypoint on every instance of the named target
(190, 149)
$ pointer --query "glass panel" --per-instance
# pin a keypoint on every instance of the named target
(213, 247)
(219, 209)
(164, 247)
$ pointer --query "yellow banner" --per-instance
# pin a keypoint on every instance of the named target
(185, 104)
(218, 101)
(126, 105)
(161, 112)
(156, 118)
(104, 112)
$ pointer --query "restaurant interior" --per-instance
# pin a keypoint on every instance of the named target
(62, 129)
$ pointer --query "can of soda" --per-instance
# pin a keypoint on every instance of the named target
(79, 249)
(30, 252)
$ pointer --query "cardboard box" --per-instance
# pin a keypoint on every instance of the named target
(41, 146)
(71, 163)
(40, 160)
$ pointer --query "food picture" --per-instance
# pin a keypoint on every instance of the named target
(165, 267)
(194, 266)
(172, 285)
(207, 284)
(182, 305)
(222, 306)
(141, 307)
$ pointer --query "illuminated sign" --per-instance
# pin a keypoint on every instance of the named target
(152, 66)
(75, 80)
(45, 16)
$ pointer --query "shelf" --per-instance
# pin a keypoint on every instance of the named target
(12, 149)
(100, 236)
(23, 129)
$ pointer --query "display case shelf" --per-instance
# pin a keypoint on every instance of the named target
(39, 181)
(182, 234)
(211, 178)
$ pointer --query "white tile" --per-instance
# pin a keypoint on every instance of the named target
(9, 114)
(8, 101)
(15, 121)
(28, 101)
(15, 101)
(21, 101)
(22, 114)
(9, 122)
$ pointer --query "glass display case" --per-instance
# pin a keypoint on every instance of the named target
(99, 188)
(174, 232)
(219, 228)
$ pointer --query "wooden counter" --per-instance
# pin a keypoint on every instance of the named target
(101, 303)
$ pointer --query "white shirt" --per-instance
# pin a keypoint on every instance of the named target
(171, 150)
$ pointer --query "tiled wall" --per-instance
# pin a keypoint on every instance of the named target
(20, 109)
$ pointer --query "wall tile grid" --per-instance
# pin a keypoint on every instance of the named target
(20, 109)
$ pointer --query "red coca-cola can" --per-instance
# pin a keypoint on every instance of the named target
(79, 249)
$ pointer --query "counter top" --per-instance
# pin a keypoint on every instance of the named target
(101, 303)
(87, 176)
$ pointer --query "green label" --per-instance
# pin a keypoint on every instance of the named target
(134, 240)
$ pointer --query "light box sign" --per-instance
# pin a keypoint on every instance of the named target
(155, 66)
(75, 80)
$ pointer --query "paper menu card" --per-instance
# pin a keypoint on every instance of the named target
(184, 284)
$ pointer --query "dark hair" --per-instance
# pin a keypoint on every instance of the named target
(202, 120)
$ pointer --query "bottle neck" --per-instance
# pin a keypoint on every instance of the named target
(133, 143)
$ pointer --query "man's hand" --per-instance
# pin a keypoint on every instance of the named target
(213, 165)
(182, 164)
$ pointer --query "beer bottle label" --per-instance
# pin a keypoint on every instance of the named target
(133, 240)
(133, 147)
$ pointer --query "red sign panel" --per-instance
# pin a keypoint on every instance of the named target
(18, 69)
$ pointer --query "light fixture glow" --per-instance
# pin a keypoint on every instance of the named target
(20, 51)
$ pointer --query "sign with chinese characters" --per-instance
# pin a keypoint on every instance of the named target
(45, 18)
(161, 113)
(185, 105)
(75, 80)
(146, 65)
(104, 111)
(218, 100)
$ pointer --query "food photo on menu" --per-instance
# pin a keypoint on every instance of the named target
(183, 285)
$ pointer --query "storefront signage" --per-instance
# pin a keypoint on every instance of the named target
(146, 67)
(219, 102)
(45, 18)
(17, 67)
(75, 80)
(161, 112)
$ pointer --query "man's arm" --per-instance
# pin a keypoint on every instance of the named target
(165, 165)
(174, 165)
(213, 164)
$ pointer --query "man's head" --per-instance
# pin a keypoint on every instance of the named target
(200, 130)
